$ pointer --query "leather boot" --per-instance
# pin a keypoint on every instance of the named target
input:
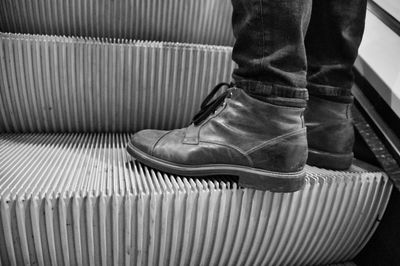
(330, 133)
(265, 145)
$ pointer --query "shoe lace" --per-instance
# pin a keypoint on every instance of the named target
(208, 107)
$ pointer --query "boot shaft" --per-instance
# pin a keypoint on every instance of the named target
(330, 133)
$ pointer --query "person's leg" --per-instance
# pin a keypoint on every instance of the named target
(332, 41)
(269, 48)
(255, 129)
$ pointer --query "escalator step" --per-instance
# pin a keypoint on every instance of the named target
(189, 21)
(68, 84)
(79, 199)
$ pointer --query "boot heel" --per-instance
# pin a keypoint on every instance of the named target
(275, 182)
(335, 161)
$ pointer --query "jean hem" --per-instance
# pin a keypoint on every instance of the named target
(322, 90)
(271, 90)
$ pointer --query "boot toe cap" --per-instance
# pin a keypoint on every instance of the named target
(145, 140)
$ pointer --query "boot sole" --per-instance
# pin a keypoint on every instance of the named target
(248, 177)
(328, 160)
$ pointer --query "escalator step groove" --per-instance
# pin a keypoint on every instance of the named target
(69, 84)
(189, 21)
(80, 199)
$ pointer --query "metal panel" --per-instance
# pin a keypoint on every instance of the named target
(79, 199)
(59, 84)
(189, 21)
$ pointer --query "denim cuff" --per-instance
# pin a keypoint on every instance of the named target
(323, 90)
(268, 89)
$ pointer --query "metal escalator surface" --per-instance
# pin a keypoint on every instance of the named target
(79, 199)
(71, 195)
(70, 84)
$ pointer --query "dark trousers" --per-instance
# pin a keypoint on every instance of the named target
(289, 48)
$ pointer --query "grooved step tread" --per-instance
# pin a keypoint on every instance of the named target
(80, 199)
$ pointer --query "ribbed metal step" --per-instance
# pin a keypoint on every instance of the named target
(79, 199)
(60, 84)
(189, 21)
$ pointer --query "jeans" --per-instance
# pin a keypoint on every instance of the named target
(289, 48)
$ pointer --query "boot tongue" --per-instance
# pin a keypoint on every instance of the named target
(208, 107)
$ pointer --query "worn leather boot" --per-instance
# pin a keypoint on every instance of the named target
(330, 133)
(265, 145)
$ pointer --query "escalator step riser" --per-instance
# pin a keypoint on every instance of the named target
(60, 84)
(189, 21)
